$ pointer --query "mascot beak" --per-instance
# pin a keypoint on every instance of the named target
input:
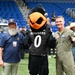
(37, 20)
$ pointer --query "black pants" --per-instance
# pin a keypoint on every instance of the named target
(38, 65)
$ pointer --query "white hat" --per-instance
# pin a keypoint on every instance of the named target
(72, 24)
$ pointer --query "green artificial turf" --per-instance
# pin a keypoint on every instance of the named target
(23, 67)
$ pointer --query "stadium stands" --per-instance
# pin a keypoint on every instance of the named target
(52, 1)
(58, 6)
(9, 9)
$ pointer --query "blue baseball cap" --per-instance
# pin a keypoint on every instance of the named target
(11, 21)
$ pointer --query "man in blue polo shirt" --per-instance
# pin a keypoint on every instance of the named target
(10, 49)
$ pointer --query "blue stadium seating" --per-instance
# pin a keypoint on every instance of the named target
(9, 9)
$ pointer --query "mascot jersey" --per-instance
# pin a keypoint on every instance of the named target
(40, 33)
(39, 41)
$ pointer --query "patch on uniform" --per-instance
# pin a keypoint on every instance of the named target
(63, 36)
(14, 44)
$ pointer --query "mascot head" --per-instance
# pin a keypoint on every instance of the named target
(37, 18)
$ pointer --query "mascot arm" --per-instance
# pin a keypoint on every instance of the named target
(52, 42)
(27, 43)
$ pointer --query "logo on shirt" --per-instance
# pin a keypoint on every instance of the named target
(37, 33)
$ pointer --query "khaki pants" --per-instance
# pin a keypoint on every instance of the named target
(10, 69)
(65, 63)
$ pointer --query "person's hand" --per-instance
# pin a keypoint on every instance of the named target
(73, 39)
(55, 36)
(1, 63)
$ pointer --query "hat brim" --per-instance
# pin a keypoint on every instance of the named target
(72, 25)
(11, 23)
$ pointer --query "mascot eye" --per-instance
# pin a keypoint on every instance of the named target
(39, 20)
(31, 22)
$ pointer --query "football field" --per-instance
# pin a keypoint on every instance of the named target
(23, 67)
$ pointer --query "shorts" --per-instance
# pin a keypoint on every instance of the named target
(38, 65)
